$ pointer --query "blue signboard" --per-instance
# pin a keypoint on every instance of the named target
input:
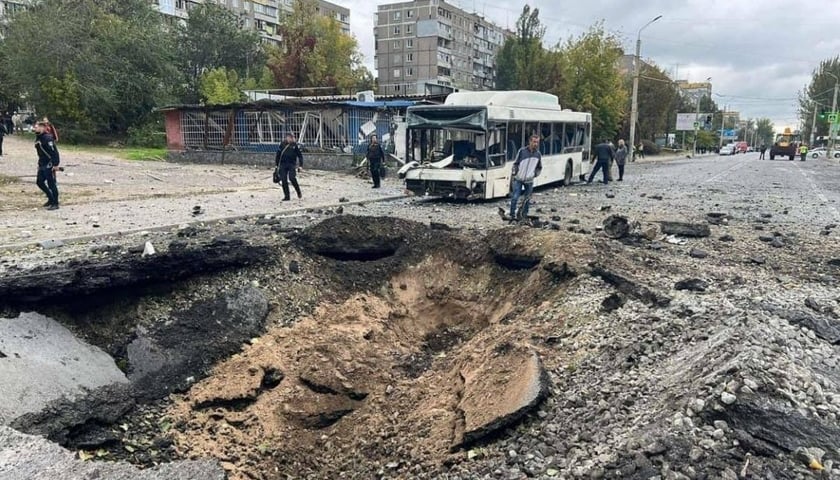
(730, 134)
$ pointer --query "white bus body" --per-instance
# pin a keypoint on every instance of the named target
(465, 148)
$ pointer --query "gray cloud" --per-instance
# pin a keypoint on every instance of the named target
(759, 53)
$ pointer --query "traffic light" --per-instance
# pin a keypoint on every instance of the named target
(823, 113)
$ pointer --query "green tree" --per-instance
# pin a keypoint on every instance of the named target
(220, 86)
(764, 128)
(523, 63)
(315, 52)
(92, 66)
(818, 95)
(657, 99)
(589, 80)
(213, 37)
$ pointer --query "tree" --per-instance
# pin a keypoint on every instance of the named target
(220, 86)
(92, 66)
(818, 95)
(589, 80)
(764, 129)
(213, 37)
(523, 63)
(657, 98)
(315, 52)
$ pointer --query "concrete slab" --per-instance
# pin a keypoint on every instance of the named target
(42, 361)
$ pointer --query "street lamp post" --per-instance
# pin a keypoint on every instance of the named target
(634, 113)
(832, 132)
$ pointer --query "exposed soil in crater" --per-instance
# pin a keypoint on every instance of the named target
(402, 373)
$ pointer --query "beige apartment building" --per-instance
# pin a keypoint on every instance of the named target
(432, 47)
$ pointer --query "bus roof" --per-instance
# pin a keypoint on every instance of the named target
(512, 98)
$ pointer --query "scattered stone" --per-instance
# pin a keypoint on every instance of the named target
(51, 244)
(717, 218)
(610, 195)
(616, 226)
(766, 238)
(148, 249)
(656, 245)
(758, 259)
(834, 262)
(810, 457)
(684, 229)
(604, 208)
(555, 218)
(777, 243)
(655, 197)
(692, 284)
(440, 226)
(343, 200)
(339, 210)
(613, 302)
(766, 215)
(294, 266)
(631, 287)
(727, 398)
(727, 238)
(697, 253)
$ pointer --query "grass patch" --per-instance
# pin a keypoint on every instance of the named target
(125, 153)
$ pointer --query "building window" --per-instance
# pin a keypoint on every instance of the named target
(397, 30)
(409, 13)
(396, 15)
(408, 29)
(396, 44)
(409, 57)
(396, 73)
(409, 43)
(409, 72)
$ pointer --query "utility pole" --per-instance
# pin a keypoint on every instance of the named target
(814, 126)
(696, 124)
(634, 104)
(832, 126)
(722, 121)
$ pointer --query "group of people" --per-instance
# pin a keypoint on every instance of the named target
(289, 161)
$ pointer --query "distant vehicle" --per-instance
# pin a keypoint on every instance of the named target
(465, 148)
(786, 145)
(821, 152)
(741, 147)
(728, 149)
(750, 149)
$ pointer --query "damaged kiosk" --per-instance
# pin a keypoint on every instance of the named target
(465, 148)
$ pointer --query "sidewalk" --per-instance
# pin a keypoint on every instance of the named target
(102, 195)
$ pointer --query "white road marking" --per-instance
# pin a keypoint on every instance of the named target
(819, 192)
(726, 171)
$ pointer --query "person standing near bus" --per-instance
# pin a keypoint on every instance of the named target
(762, 150)
(526, 168)
(803, 152)
(620, 159)
(604, 154)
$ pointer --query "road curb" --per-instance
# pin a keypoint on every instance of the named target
(123, 233)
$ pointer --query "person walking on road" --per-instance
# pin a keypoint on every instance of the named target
(2, 134)
(641, 150)
(621, 159)
(604, 154)
(803, 152)
(762, 149)
(48, 161)
(289, 160)
(526, 167)
(375, 156)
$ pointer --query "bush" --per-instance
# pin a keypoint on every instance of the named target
(650, 147)
(149, 135)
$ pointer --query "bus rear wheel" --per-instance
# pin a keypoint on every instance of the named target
(567, 176)
(772, 157)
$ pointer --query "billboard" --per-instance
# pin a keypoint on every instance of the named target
(730, 134)
(685, 121)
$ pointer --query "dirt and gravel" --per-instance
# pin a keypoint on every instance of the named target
(462, 348)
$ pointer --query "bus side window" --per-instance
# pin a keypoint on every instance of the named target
(557, 138)
(514, 139)
(545, 138)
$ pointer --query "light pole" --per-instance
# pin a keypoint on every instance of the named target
(634, 113)
(697, 116)
(832, 132)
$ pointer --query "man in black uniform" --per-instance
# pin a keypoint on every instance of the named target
(375, 155)
(288, 160)
(48, 161)
(604, 155)
(2, 134)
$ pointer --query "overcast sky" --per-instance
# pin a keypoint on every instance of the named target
(759, 53)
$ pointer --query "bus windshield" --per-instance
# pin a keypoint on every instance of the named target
(467, 148)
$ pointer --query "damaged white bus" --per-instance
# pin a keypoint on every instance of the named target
(465, 148)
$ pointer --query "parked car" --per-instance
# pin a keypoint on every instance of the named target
(741, 147)
(750, 149)
(821, 152)
(727, 149)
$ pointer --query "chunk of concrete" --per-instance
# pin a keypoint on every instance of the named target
(29, 457)
(684, 229)
(498, 391)
(43, 361)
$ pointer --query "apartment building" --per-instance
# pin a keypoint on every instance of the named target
(261, 15)
(7, 7)
(431, 47)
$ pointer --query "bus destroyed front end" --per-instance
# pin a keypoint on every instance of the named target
(464, 183)
(449, 151)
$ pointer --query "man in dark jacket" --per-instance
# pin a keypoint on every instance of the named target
(288, 160)
(2, 134)
(48, 160)
(375, 156)
(604, 155)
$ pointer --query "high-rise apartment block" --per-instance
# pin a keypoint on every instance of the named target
(432, 47)
(261, 15)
